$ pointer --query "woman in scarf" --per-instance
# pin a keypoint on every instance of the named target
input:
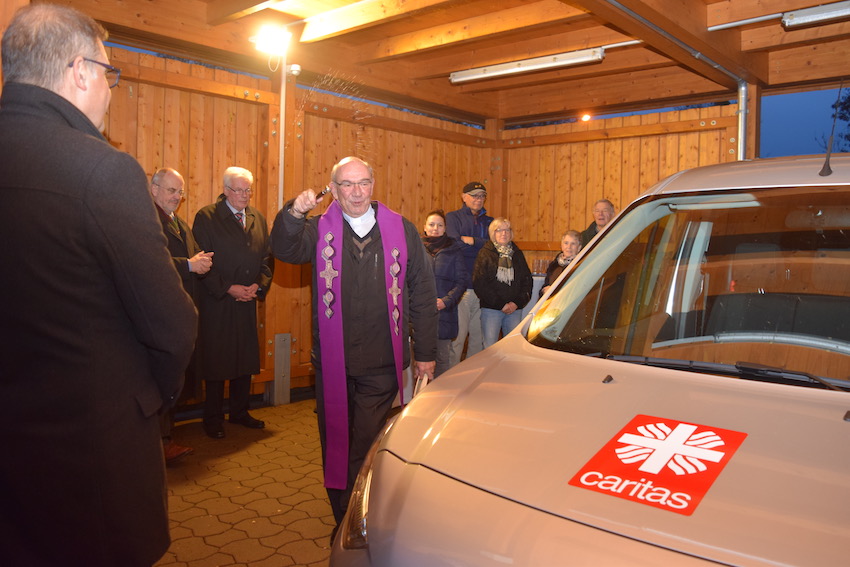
(452, 280)
(570, 246)
(502, 282)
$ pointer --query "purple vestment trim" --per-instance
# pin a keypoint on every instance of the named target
(328, 267)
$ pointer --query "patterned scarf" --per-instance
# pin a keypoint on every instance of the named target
(505, 272)
(563, 261)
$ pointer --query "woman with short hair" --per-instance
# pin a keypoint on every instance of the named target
(570, 246)
(502, 281)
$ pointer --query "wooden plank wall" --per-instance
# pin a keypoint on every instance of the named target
(200, 131)
(200, 120)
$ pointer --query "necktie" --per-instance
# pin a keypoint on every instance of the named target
(239, 216)
(174, 224)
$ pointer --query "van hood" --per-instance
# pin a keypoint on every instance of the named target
(592, 443)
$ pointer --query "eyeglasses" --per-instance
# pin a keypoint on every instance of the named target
(247, 191)
(481, 196)
(112, 74)
(172, 190)
(503, 230)
(363, 184)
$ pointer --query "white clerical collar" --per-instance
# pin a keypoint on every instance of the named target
(362, 224)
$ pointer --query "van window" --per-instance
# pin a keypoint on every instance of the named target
(760, 276)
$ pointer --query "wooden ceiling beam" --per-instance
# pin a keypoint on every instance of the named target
(766, 37)
(810, 63)
(489, 25)
(361, 15)
(222, 11)
(693, 47)
(645, 89)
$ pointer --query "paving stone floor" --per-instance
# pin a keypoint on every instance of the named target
(254, 498)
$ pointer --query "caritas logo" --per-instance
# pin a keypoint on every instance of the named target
(660, 462)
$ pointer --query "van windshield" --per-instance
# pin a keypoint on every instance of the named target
(761, 276)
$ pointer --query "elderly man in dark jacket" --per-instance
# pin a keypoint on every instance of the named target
(95, 328)
(372, 288)
(191, 263)
(240, 275)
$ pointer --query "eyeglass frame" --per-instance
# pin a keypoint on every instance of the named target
(171, 190)
(363, 183)
(109, 69)
(508, 229)
(249, 191)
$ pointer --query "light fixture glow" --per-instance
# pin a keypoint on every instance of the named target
(816, 15)
(585, 117)
(272, 40)
(593, 55)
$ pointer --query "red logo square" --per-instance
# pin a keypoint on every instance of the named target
(660, 462)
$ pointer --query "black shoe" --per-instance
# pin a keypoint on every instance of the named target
(214, 430)
(248, 422)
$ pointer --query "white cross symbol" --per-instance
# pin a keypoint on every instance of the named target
(666, 449)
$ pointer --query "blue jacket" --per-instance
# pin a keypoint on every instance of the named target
(452, 281)
(463, 223)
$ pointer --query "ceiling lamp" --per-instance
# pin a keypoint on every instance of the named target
(594, 55)
(272, 40)
(816, 15)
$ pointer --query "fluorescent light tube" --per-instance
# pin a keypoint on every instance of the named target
(816, 15)
(593, 55)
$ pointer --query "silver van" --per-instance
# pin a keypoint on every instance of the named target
(679, 397)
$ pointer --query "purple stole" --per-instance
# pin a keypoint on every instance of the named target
(328, 266)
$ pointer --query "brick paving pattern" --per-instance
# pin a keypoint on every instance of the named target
(253, 498)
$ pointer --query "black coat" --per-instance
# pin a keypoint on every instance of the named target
(227, 340)
(452, 281)
(182, 246)
(494, 294)
(368, 348)
(95, 330)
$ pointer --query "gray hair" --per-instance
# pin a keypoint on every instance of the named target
(349, 159)
(42, 39)
(574, 233)
(234, 172)
(156, 178)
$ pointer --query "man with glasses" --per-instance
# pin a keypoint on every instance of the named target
(372, 285)
(95, 328)
(468, 225)
(241, 274)
(190, 262)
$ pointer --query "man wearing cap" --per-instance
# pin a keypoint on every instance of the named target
(468, 225)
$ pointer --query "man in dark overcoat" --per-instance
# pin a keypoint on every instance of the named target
(167, 190)
(95, 328)
(240, 275)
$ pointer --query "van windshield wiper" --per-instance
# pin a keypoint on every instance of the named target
(745, 370)
(769, 373)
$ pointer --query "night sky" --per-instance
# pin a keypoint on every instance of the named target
(798, 123)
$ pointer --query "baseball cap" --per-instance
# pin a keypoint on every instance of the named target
(474, 188)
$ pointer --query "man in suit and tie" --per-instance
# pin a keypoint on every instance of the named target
(190, 261)
(228, 347)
